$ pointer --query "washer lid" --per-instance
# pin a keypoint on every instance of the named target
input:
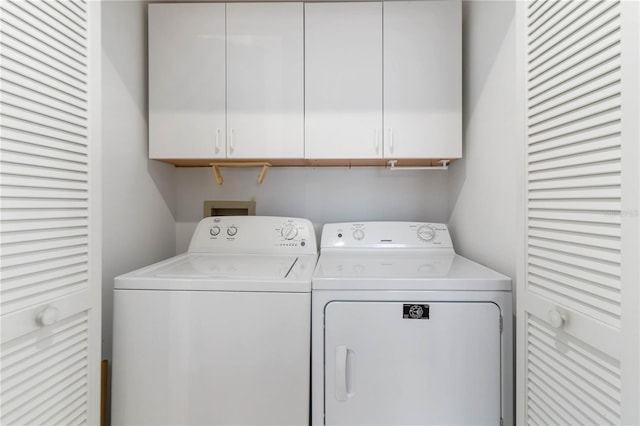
(237, 272)
(408, 270)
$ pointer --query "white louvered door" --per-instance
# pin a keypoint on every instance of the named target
(49, 206)
(578, 292)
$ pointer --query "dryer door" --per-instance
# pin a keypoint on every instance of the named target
(408, 363)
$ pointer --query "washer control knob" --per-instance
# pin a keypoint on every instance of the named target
(289, 231)
(232, 230)
(426, 233)
(358, 234)
(215, 230)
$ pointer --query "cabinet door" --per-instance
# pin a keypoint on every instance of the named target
(422, 79)
(343, 80)
(186, 80)
(384, 369)
(265, 80)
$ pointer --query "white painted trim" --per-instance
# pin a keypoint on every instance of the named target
(630, 360)
(521, 212)
(95, 209)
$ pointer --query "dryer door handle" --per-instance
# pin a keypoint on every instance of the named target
(341, 373)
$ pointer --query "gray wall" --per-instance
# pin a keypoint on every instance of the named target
(138, 195)
(323, 194)
(485, 186)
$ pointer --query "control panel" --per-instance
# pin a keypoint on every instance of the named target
(253, 234)
(386, 235)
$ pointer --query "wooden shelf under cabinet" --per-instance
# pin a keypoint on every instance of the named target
(301, 162)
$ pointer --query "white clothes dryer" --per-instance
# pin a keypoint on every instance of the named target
(407, 332)
(219, 335)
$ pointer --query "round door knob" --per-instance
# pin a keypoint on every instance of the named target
(47, 316)
(215, 230)
(358, 234)
(231, 231)
(556, 319)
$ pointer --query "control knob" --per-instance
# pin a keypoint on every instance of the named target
(289, 232)
(232, 230)
(215, 230)
(358, 234)
(426, 233)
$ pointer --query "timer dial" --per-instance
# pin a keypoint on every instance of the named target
(426, 233)
(232, 230)
(358, 234)
(289, 232)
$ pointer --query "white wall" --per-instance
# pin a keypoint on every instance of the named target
(485, 187)
(321, 194)
(138, 195)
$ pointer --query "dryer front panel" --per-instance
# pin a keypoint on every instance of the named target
(407, 363)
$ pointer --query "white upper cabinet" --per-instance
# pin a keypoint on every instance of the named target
(333, 81)
(186, 81)
(265, 80)
(422, 79)
(343, 80)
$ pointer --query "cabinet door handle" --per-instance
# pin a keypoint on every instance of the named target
(232, 144)
(341, 373)
(217, 140)
(391, 140)
(376, 142)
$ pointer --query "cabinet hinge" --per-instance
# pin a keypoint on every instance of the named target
(501, 324)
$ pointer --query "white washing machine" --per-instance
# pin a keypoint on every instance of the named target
(219, 335)
(406, 332)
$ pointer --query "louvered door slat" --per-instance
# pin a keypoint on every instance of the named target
(38, 67)
(24, 259)
(41, 288)
(30, 181)
(29, 151)
(21, 94)
(572, 289)
(21, 135)
(602, 254)
(606, 167)
(79, 5)
(561, 149)
(41, 120)
(40, 376)
(25, 171)
(574, 161)
(592, 67)
(536, 7)
(597, 117)
(596, 106)
(48, 374)
(555, 278)
(16, 72)
(32, 105)
(48, 35)
(73, 27)
(31, 156)
(547, 29)
(39, 214)
(570, 367)
(544, 14)
(579, 31)
(573, 182)
(575, 108)
(54, 56)
(577, 216)
(558, 100)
